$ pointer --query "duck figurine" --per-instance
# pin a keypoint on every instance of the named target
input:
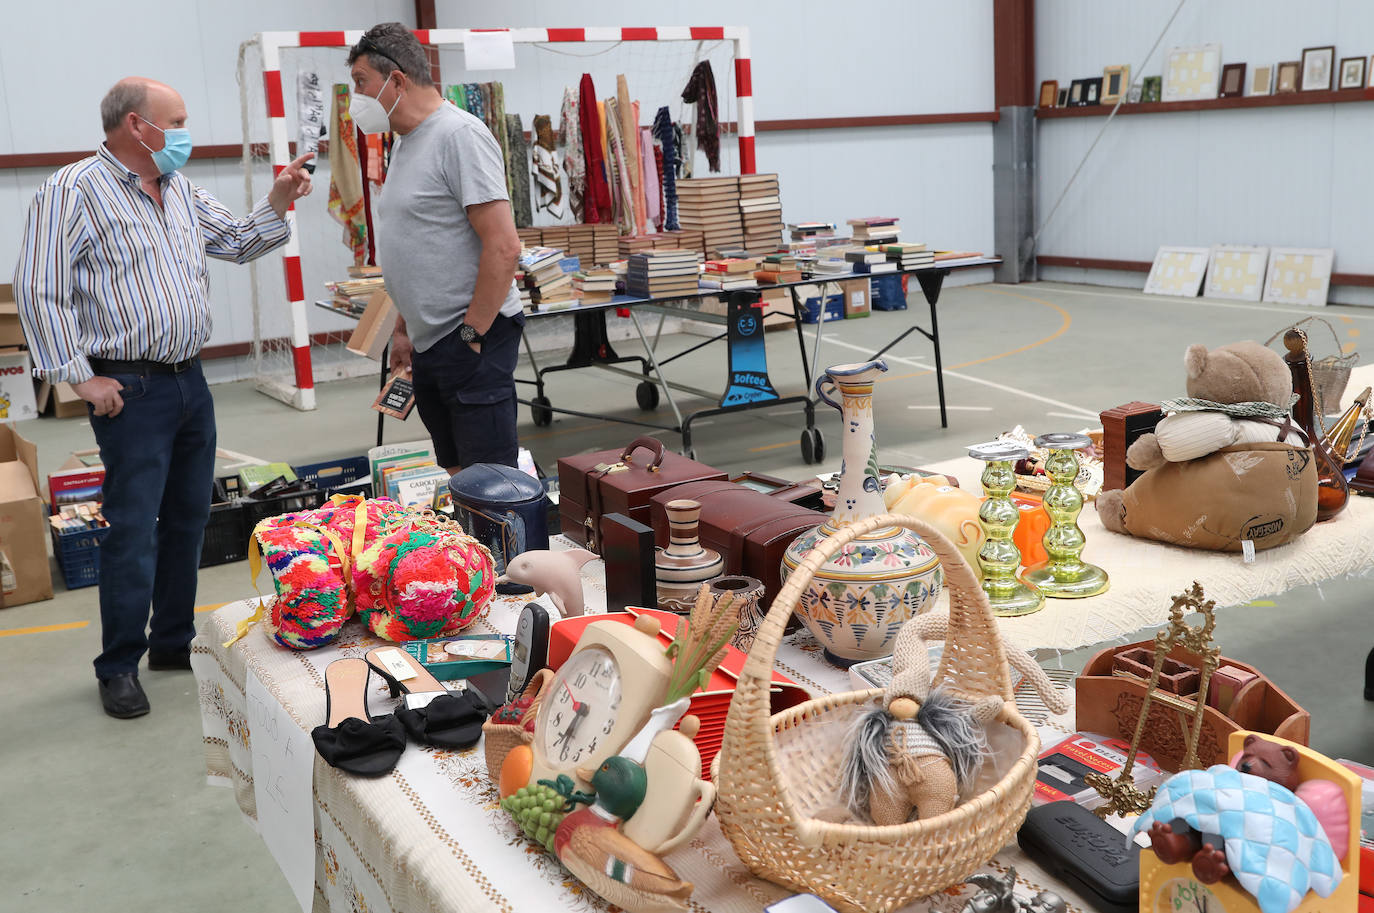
(589, 843)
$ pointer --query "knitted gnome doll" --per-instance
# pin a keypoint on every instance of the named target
(921, 750)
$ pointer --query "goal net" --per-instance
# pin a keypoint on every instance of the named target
(296, 343)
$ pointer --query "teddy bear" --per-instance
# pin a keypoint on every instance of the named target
(1228, 464)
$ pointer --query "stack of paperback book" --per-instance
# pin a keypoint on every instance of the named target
(662, 273)
(875, 229)
(909, 255)
(778, 268)
(865, 260)
(727, 275)
(594, 286)
(548, 274)
(711, 206)
(810, 231)
(408, 475)
(760, 207)
(531, 237)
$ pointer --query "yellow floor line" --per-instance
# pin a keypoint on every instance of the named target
(773, 446)
(209, 608)
(45, 629)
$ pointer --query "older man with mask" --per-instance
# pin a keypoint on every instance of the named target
(114, 296)
(447, 244)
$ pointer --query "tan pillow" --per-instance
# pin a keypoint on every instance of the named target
(1265, 492)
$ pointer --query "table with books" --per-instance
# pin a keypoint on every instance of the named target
(430, 835)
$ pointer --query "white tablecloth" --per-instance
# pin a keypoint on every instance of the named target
(430, 836)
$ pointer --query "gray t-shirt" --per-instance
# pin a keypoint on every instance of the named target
(426, 247)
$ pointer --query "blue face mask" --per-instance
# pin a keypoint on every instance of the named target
(176, 147)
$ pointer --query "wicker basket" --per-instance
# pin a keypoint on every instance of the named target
(501, 737)
(1331, 374)
(762, 793)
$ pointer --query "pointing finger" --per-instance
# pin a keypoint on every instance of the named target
(295, 166)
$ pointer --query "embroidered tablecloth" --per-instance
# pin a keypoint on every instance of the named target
(430, 835)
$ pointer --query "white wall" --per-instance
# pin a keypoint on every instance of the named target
(927, 57)
(1287, 176)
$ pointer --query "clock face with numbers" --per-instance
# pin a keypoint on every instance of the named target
(580, 711)
(1186, 895)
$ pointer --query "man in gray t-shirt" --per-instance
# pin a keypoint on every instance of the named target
(447, 246)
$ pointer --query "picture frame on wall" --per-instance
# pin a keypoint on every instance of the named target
(1298, 276)
(1236, 272)
(1063, 98)
(1318, 66)
(1115, 81)
(1192, 73)
(1287, 79)
(1233, 80)
(1049, 93)
(1092, 91)
(1177, 271)
(1262, 80)
(1076, 93)
(1151, 88)
(1134, 95)
(1352, 73)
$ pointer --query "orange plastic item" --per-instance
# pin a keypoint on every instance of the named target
(1030, 529)
(515, 770)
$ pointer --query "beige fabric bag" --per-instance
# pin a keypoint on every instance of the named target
(1265, 492)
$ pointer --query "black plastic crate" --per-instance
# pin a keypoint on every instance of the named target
(255, 511)
(78, 555)
(226, 539)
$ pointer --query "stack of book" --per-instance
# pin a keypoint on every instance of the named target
(760, 208)
(522, 286)
(548, 274)
(555, 236)
(778, 268)
(594, 286)
(909, 255)
(727, 275)
(875, 229)
(866, 260)
(711, 206)
(351, 295)
(810, 231)
(662, 273)
(629, 245)
(530, 237)
(685, 239)
(592, 243)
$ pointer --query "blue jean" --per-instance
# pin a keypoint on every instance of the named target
(159, 456)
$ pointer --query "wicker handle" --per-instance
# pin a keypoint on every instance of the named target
(1295, 326)
(973, 634)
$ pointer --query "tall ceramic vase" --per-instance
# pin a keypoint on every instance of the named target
(858, 601)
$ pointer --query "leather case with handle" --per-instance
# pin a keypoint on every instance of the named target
(749, 528)
(592, 485)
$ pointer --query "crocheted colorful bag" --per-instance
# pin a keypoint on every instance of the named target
(423, 578)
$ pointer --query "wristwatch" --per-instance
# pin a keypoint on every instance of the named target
(468, 333)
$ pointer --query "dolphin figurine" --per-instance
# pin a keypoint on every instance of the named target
(558, 573)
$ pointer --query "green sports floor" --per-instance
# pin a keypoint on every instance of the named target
(104, 815)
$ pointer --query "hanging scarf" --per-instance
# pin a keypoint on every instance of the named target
(649, 198)
(574, 165)
(346, 176)
(519, 175)
(597, 199)
(629, 140)
(701, 91)
(620, 169)
(475, 107)
(665, 131)
(658, 173)
(458, 96)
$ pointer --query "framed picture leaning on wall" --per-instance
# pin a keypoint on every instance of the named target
(1262, 80)
(1049, 93)
(1233, 80)
(1317, 67)
(1287, 80)
(1115, 81)
(1352, 73)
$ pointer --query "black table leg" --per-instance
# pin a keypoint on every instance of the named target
(1369, 677)
(931, 283)
(381, 417)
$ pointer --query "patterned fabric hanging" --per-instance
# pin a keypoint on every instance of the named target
(620, 170)
(346, 176)
(520, 176)
(701, 91)
(665, 131)
(653, 212)
(458, 95)
(574, 164)
(597, 200)
(475, 106)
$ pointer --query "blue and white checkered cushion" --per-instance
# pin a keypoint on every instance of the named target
(1274, 844)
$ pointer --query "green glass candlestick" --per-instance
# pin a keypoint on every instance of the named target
(1066, 575)
(999, 557)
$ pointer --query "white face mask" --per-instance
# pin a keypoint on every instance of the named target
(367, 112)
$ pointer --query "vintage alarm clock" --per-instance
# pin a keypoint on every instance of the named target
(531, 651)
(600, 697)
(1164, 891)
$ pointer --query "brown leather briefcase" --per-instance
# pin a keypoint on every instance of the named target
(750, 529)
(591, 485)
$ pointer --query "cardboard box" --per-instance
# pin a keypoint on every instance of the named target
(23, 523)
(375, 327)
(11, 331)
(17, 400)
(858, 300)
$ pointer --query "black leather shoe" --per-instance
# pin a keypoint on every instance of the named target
(123, 697)
(165, 662)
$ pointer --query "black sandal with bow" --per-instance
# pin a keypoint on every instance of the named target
(351, 739)
(432, 714)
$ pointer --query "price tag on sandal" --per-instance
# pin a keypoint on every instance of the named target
(396, 663)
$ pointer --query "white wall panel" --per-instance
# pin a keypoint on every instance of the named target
(1286, 176)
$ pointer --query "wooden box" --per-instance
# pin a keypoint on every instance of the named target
(373, 333)
(1120, 428)
(591, 485)
(750, 529)
(1110, 705)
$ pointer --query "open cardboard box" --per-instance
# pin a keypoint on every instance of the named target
(25, 575)
(11, 332)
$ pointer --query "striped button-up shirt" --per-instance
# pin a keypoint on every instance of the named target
(105, 272)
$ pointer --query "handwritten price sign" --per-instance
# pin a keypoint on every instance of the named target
(283, 763)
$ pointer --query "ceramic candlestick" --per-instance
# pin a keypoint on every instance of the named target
(1065, 575)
